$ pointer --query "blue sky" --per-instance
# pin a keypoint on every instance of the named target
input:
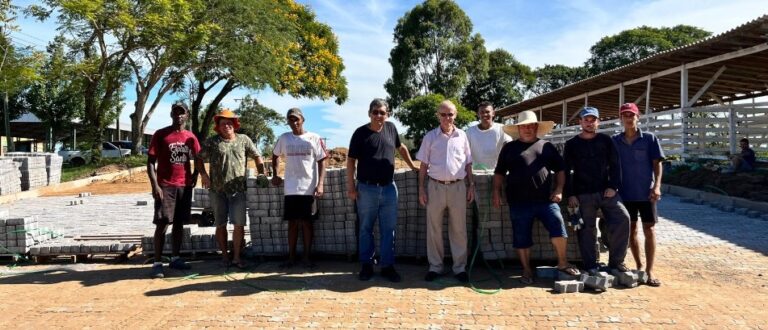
(535, 32)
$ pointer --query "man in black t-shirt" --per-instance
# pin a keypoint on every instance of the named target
(372, 156)
(592, 186)
(526, 164)
(744, 161)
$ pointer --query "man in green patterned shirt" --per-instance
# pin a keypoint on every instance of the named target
(227, 153)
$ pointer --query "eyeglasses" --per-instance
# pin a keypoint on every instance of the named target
(448, 114)
(379, 113)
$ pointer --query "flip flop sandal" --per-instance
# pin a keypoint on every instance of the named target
(654, 282)
(569, 270)
(240, 265)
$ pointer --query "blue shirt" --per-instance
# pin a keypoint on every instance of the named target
(636, 161)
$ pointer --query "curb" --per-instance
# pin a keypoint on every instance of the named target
(710, 198)
(69, 185)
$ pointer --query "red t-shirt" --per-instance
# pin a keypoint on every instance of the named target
(174, 150)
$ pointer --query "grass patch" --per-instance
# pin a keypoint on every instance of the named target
(71, 173)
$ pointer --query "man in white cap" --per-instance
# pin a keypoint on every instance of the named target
(592, 186)
(525, 164)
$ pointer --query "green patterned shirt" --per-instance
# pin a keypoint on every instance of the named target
(228, 162)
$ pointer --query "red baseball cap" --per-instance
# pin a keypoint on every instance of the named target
(629, 107)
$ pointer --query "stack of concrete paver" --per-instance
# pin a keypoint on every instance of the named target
(334, 229)
(18, 235)
(200, 198)
(68, 246)
(599, 281)
(33, 172)
(53, 164)
(10, 178)
(195, 239)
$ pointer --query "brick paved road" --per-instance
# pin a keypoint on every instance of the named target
(713, 266)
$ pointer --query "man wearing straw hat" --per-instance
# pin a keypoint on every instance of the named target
(593, 186)
(228, 154)
(525, 164)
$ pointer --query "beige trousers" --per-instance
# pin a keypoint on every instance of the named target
(454, 198)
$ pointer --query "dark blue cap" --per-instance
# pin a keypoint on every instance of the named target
(589, 111)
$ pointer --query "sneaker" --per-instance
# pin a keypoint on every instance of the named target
(431, 276)
(157, 271)
(366, 273)
(390, 273)
(179, 263)
(462, 277)
(620, 267)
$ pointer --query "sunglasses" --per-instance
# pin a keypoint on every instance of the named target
(378, 113)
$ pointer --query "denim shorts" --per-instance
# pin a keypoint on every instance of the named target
(228, 206)
(522, 216)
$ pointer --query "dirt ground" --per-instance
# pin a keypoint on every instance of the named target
(750, 185)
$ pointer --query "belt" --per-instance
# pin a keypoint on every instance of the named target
(372, 183)
(444, 182)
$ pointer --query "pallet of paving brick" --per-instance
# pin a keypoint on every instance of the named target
(18, 235)
(53, 163)
(70, 247)
(32, 169)
(10, 177)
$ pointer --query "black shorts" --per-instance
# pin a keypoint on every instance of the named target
(298, 207)
(646, 209)
(176, 205)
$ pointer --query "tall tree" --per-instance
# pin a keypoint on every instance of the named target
(631, 45)
(552, 77)
(505, 81)
(170, 33)
(56, 99)
(257, 121)
(432, 54)
(101, 65)
(419, 114)
(260, 44)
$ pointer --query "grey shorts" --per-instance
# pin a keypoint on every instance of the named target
(228, 207)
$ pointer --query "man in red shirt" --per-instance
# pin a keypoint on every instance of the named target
(170, 173)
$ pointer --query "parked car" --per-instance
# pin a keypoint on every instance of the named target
(79, 158)
(129, 145)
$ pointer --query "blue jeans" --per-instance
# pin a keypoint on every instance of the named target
(522, 215)
(374, 201)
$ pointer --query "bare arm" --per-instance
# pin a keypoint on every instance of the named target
(157, 193)
(657, 171)
(498, 179)
(200, 167)
(276, 179)
(422, 187)
(557, 195)
(351, 166)
(320, 178)
(403, 150)
(259, 165)
(470, 183)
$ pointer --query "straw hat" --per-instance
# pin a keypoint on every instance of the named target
(228, 114)
(529, 117)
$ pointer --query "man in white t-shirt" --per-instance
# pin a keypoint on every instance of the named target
(304, 155)
(486, 138)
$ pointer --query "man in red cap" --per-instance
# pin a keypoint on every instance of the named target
(228, 154)
(640, 156)
(170, 174)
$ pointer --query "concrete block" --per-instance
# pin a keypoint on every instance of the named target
(547, 272)
(141, 203)
(568, 286)
(597, 283)
(642, 276)
(627, 279)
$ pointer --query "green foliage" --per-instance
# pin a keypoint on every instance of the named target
(260, 44)
(256, 121)
(70, 172)
(419, 114)
(504, 82)
(631, 45)
(552, 77)
(433, 52)
(56, 99)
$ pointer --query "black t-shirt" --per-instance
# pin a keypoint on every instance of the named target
(595, 165)
(527, 168)
(749, 156)
(375, 153)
